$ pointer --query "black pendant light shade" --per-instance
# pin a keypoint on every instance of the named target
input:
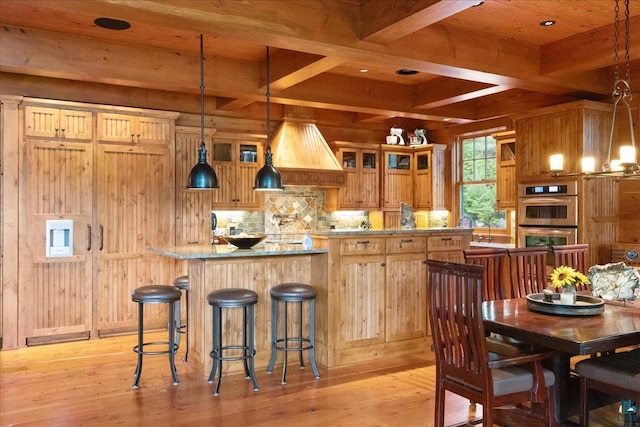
(202, 176)
(268, 178)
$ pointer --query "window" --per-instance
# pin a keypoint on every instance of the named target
(478, 183)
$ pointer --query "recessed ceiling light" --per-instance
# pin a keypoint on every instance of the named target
(364, 70)
(406, 72)
(446, 119)
(112, 24)
(548, 23)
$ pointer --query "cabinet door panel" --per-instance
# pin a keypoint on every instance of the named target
(116, 128)
(56, 292)
(58, 123)
(361, 301)
(135, 211)
(406, 276)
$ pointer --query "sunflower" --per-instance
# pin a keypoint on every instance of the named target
(563, 276)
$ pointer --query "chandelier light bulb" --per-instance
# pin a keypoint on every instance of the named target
(627, 155)
(588, 164)
(556, 162)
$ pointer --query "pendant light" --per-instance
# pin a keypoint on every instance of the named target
(202, 176)
(626, 166)
(268, 178)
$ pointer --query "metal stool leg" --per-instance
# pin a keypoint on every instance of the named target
(186, 328)
(216, 353)
(138, 371)
(172, 345)
(285, 343)
(312, 337)
(252, 350)
(301, 340)
(274, 335)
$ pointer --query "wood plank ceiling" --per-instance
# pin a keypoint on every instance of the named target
(474, 62)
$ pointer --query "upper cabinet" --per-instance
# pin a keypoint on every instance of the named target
(429, 180)
(236, 161)
(575, 130)
(58, 123)
(133, 129)
(362, 164)
(506, 188)
(397, 176)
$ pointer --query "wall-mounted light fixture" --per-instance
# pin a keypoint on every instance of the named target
(202, 176)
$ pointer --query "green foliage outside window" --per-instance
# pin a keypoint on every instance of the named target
(478, 190)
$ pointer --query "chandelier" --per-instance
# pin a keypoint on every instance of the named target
(626, 166)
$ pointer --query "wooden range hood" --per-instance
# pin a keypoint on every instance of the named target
(303, 157)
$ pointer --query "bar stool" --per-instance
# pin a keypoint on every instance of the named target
(233, 298)
(292, 292)
(156, 294)
(182, 283)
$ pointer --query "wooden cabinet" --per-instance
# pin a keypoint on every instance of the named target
(236, 162)
(448, 247)
(397, 176)
(575, 130)
(116, 196)
(134, 129)
(506, 185)
(361, 162)
(58, 123)
(406, 275)
(429, 182)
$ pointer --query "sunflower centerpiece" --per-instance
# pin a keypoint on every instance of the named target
(567, 278)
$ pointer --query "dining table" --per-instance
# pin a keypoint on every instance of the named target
(617, 326)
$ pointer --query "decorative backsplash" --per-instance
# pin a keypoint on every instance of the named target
(298, 210)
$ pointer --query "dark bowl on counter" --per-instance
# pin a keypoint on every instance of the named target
(244, 242)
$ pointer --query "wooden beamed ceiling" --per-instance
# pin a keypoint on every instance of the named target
(474, 62)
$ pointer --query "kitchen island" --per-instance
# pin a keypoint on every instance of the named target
(371, 300)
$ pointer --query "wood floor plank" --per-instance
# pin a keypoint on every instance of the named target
(88, 383)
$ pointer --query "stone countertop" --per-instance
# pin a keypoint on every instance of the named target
(230, 251)
(389, 231)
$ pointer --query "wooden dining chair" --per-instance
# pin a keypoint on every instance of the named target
(617, 374)
(528, 270)
(574, 256)
(463, 365)
(495, 262)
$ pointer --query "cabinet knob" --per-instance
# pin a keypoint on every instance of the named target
(384, 264)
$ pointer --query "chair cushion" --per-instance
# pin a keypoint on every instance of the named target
(293, 292)
(514, 380)
(155, 294)
(619, 369)
(232, 297)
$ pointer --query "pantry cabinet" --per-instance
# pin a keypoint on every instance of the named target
(115, 196)
(361, 162)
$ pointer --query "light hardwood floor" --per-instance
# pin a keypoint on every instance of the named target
(89, 384)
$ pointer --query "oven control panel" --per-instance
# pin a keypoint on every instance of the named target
(629, 253)
(549, 189)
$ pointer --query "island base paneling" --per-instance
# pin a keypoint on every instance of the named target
(259, 274)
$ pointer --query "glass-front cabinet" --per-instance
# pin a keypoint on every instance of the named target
(236, 163)
(397, 179)
(362, 164)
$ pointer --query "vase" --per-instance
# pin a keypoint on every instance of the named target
(568, 295)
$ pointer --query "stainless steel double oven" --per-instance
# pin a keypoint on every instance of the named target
(548, 214)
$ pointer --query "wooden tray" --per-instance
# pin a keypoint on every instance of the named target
(585, 305)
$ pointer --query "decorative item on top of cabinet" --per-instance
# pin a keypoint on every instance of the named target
(506, 188)
(429, 182)
(134, 129)
(58, 123)
(362, 164)
(397, 176)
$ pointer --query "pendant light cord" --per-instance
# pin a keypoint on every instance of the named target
(201, 90)
(268, 76)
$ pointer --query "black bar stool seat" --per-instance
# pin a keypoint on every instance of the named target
(156, 294)
(292, 293)
(245, 351)
(182, 283)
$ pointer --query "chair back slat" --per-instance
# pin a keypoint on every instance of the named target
(495, 263)
(528, 270)
(455, 310)
(574, 256)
